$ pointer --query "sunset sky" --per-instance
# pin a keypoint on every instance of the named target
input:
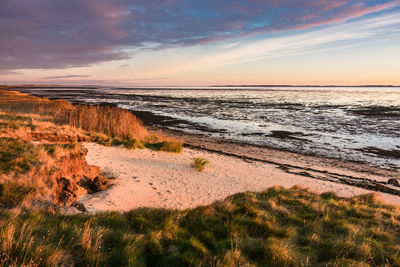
(193, 42)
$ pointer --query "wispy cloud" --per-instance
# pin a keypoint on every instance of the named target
(63, 77)
(327, 38)
(45, 34)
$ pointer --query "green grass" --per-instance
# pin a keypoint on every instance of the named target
(16, 155)
(13, 117)
(199, 163)
(5, 125)
(166, 146)
(130, 144)
(50, 148)
(12, 194)
(277, 227)
(14, 122)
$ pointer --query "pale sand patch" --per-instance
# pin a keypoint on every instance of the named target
(166, 180)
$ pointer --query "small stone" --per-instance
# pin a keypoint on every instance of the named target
(394, 181)
(79, 206)
(108, 174)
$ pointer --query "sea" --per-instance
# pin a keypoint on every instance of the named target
(359, 124)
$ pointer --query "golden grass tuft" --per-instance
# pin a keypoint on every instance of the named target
(91, 237)
(278, 253)
(199, 163)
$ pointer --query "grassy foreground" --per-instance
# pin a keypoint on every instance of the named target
(277, 227)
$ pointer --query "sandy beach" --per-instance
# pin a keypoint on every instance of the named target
(167, 180)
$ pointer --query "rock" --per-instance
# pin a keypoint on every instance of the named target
(387, 189)
(66, 191)
(108, 174)
(394, 181)
(79, 206)
(100, 183)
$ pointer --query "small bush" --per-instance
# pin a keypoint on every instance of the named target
(199, 163)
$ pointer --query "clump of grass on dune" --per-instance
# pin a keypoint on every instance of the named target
(277, 227)
(199, 163)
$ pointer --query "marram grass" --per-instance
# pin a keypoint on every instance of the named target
(112, 123)
(277, 227)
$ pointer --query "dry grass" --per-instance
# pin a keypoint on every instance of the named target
(113, 122)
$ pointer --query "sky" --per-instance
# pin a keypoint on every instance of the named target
(199, 42)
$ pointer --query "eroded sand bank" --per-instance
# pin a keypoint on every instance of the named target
(166, 180)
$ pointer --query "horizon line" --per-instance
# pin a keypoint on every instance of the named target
(215, 85)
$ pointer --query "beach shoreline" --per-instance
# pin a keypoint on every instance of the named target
(160, 185)
(166, 180)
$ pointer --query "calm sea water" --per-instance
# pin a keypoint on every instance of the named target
(361, 124)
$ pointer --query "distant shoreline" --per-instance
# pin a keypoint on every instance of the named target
(183, 87)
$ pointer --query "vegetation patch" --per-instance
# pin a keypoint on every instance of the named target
(13, 117)
(50, 148)
(115, 126)
(7, 125)
(130, 144)
(166, 146)
(12, 194)
(111, 121)
(16, 155)
(199, 163)
(277, 227)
